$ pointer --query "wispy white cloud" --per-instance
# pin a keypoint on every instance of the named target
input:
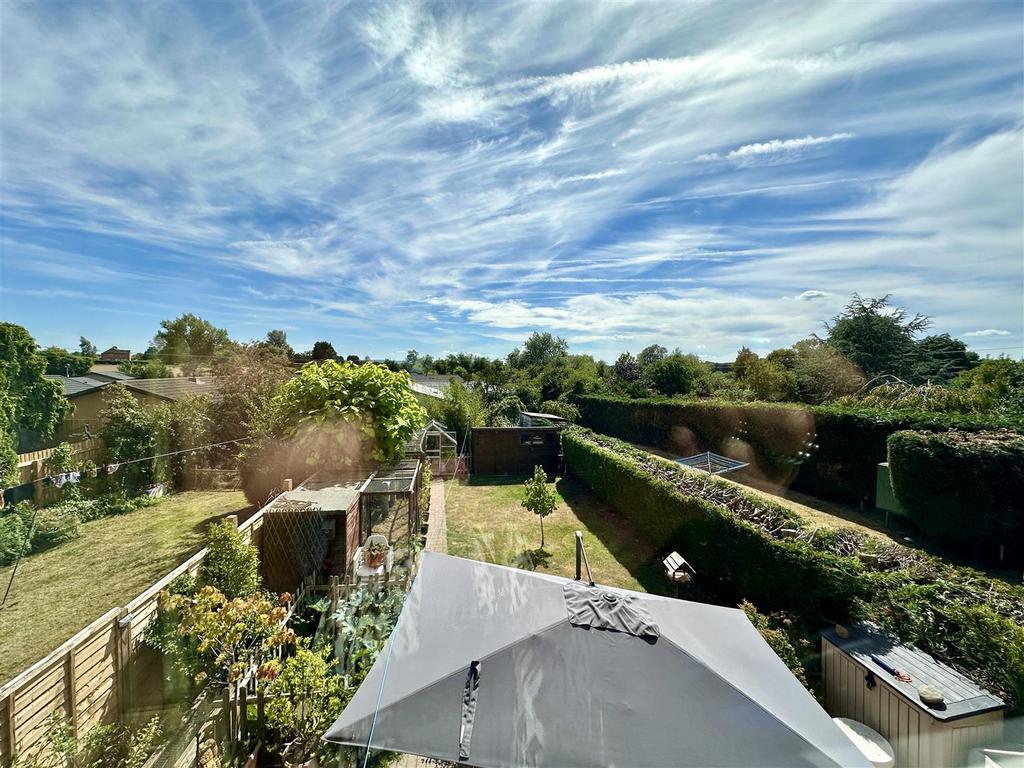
(988, 332)
(411, 158)
(774, 147)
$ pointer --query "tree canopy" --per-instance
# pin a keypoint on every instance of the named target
(87, 348)
(33, 405)
(323, 350)
(189, 340)
(60, 362)
(277, 341)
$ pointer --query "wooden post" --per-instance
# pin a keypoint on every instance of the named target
(233, 519)
(287, 484)
(72, 690)
(261, 724)
(243, 717)
(11, 728)
(122, 646)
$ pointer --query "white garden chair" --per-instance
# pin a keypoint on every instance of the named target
(364, 571)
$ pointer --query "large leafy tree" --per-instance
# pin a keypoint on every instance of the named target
(189, 340)
(676, 374)
(277, 341)
(539, 350)
(652, 354)
(323, 350)
(626, 368)
(941, 358)
(87, 348)
(877, 337)
(60, 362)
(247, 379)
(33, 405)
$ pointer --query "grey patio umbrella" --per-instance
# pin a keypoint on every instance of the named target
(499, 667)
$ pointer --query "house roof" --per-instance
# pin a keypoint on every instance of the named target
(174, 388)
(868, 643)
(497, 667)
(116, 354)
(111, 375)
(434, 386)
(79, 385)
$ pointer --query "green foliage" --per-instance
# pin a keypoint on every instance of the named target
(331, 416)
(60, 362)
(186, 660)
(539, 350)
(877, 338)
(461, 409)
(953, 482)
(232, 565)
(539, 498)
(145, 368)
(737, 546)
(248, 377)
(503, 407)
(16, 527)
(365, 621)
(104, 746)
(770, 381)
(189, 341)
(86, 348)
(323, 350)
(831, 452)
(778, 631)
(33, 406)
(562, 408)
(626, 368)
(237, 634)
(931, 398)
(676, 374)
(131, 431)
(276, 342)
(998, 382)
(307, 696)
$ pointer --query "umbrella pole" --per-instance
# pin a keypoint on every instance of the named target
(581, 555)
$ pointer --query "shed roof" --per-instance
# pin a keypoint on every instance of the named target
(112, 375)
(79, 385)
(963, 697)
(328, 493)
(174, 388)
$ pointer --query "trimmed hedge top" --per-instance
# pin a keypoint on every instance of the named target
(747, 547)
(830, 452)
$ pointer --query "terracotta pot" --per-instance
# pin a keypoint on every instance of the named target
(375, 562)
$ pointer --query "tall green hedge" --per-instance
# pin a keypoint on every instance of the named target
(965, 489)
(829, 452)
(970, 620)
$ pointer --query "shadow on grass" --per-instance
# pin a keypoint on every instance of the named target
(620, 536)
(496, 479)
(532, 559)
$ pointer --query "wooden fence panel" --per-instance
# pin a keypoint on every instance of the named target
(88, 678)
(34, 464)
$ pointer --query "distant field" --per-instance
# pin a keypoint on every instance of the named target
(486, 522)
(60, 591)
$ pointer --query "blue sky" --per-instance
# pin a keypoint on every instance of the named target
(453, 176)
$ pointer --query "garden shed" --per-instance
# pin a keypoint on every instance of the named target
(860, 685)
(515, 450)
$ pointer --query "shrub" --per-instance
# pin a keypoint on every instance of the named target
(331, 416)
(777, 631)
(232, 565)
(954, 482)
(831, 452)
(15, 532)
(744, 547)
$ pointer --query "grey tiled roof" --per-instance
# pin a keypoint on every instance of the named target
(79, 385)
(174, 388)
(962, 696)
(111, 375)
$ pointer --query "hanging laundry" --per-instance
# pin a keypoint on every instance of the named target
(58, 481)
(112, 468)
(155, 491)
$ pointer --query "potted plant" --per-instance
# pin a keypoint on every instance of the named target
(374, 553)
(306, 697)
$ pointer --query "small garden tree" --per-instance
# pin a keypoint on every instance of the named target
(232, 565)
(539, 498)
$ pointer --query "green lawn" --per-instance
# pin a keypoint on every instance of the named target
(486, 522)
(60, 591)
